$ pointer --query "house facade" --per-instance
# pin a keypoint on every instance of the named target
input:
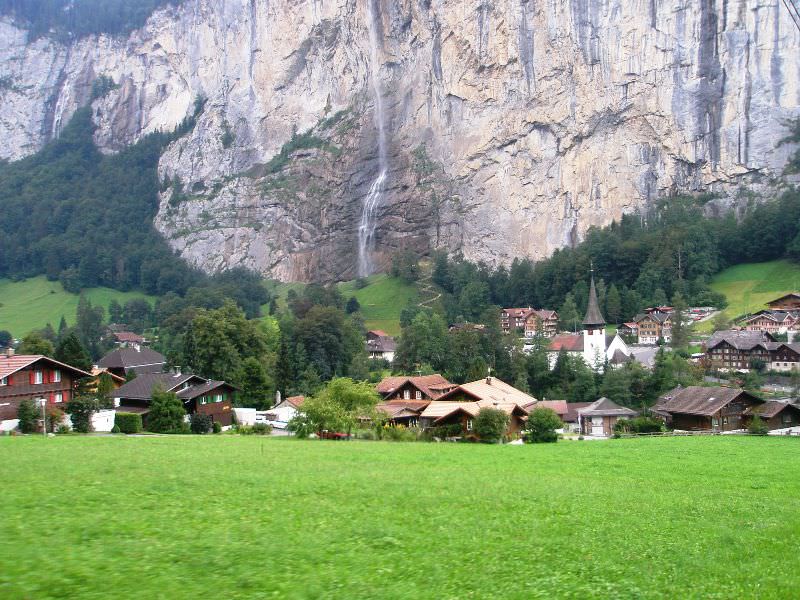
(600, 417)
(734, 350)
(199, 395)
(776, 414)
(530, 321)
(788, 302)
(774, 322)
(653, 326)
(696, 408)
(380, 345)
(33, 377)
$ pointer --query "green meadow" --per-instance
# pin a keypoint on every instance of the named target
(31, 304)
(244, 517)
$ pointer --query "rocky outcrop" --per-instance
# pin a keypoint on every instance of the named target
(511, 126)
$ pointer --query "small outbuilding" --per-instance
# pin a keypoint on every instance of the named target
(599, 418)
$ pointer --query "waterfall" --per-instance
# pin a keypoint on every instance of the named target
(372, 201)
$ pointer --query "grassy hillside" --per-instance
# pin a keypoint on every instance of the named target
(642, 518)
(31, 304)
(381, 300)
(749, 287)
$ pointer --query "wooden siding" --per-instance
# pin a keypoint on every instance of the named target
(20, 388)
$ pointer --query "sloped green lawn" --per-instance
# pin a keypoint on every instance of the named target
(382, 301)
(243, 517)
(31, 304)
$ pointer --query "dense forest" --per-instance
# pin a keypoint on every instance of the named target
(69, 19)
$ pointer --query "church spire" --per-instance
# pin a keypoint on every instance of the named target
(594, 318)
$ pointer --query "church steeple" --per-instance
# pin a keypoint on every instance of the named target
(594, 318)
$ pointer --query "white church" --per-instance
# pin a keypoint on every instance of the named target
(593, 345)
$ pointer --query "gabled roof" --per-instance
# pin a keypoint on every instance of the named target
(296, 401)
(559, 406)
(378, 333)
(432, 386)
(381, 344)
(569, 342)
(741, 340)
(437, 409)
(394, 411)
(141, 388)
(572, 411)
(201, 389)
(606, 408)
(96, 372)
(792, 295)
(491, 389)
(771, 408)
(696, 400)
(131, 358)
(128, 336)
(11, 364)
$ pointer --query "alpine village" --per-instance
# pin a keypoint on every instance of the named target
(295, 295)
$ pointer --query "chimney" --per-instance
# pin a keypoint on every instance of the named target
(9, 352)
(176, 370)
(489, 376)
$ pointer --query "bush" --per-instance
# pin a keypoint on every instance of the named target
(257, 429)
(81, 409)
(28, 416)
(399, 434)
(758, 427)
(128, 422)
(63, 428)
(491, 424)
(542, 423)
(55, 418)
(216, 427)
(166, 413)
(639, 425)
(200, 423)
(115, 429)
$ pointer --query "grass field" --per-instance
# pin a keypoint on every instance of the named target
(31, 304)
(243, 517)
(749, 287)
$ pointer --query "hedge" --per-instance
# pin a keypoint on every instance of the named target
(128, 422)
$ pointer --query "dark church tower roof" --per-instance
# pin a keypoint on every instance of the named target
(593, 318)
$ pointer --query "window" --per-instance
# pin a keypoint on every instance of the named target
(218, 398)
(56, 376)
(406, 394)
(38, 377)
(714, 422)
(469, 424)
(786, 418)
(419, 395)
(4, 381)
(724, 420)
(58, 397)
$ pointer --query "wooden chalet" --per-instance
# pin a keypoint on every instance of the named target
(403, 412)
(440, 413)
(772, 321)
(199, 395)
(696, 408)
(530, 321)
(776, 414)
(738, 350)
(424, 387)
(653, 326)
(380, 345)
(789, 301)
(600, 417)
(33, 377)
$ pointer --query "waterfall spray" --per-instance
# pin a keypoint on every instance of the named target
(372, 201)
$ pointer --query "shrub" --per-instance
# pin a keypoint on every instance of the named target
(491, 424)
(128, 422)
(257, 429)
(63, 428)
(55, 417)
(200, 423)
(115, 429)
(542, 423)
(758, 427)
(216, 427)
(639, 425)
(28, 416)
(166, 413)
(399, 434)
(81, 409)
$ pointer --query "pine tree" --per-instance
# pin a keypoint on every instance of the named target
(568, 314)
(70, 351)
(62, 329)
(680, 333)
(613, 304)
(166, 413)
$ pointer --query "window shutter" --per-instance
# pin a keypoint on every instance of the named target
(52, 398)
(31, 377)
(50, 377)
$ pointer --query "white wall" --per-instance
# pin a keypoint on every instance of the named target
(9, 425)
(245, 416)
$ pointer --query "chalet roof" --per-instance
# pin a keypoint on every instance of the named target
(518, 312)
(658, 316)
(141, 360)
(631, 325)
(491, 389)
(559, 406)
(792, 295)
(395, 410)
(606, 408)
(381, 344)
(771, 408)
(128, 336)
(571, 415)
(573, 342)
(546, 314)
(620, 358)
(296, 401)
(696, 400)
(201, 389)
(440, 409)
(96, 372)
(11, 364)
(378, 333)
(141, 388)
(432, 386)
(741, 340)
(593, 314)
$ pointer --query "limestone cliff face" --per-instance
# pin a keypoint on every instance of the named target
(511, 126)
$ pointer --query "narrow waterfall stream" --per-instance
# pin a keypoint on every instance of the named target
(374, 198)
